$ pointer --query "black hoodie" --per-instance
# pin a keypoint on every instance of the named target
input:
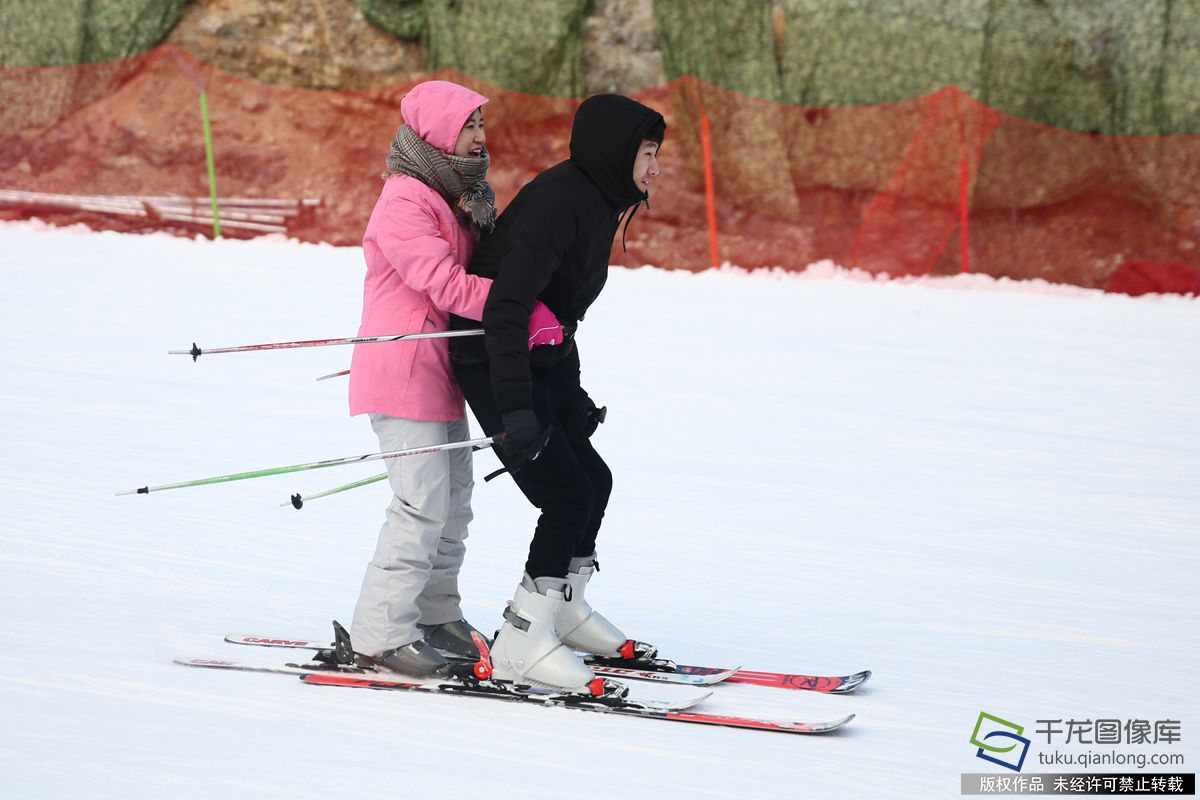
(552, 244)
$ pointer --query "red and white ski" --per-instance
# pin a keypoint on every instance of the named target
(334, 667)
(624, 706)
(829, 684)
(617, 700)
(657, 670)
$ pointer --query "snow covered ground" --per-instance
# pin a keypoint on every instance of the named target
(988, 493)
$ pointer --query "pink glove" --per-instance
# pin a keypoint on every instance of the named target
(543, 326)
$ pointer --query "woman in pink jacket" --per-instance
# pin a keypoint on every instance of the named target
(435, 203)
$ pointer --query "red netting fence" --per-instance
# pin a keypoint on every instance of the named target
(896, 188)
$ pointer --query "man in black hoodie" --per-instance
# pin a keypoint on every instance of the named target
(552, 244)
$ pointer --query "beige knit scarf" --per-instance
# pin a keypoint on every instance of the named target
(461, 181)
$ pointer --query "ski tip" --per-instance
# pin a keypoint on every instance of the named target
(717, 677)
(691, 702)
(714, 678)
(676, 706)
(840, 723)
(824, 727)
(852, 682)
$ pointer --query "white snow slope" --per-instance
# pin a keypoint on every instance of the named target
(988, 493)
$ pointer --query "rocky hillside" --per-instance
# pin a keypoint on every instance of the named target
(328, 44)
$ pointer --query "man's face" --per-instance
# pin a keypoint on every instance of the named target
(645, 167)
(472, 137)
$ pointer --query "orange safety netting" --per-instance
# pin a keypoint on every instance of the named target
(895, 188)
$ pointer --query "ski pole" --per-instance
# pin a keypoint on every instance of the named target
(474, 444)
(197, 351)
(298, 501)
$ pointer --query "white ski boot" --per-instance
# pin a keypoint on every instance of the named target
(581, 627)
(528, 653)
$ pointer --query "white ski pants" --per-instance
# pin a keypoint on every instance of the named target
(413, 576)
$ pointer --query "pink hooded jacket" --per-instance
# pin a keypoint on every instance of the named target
(416, 250)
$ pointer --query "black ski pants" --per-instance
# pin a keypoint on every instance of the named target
(569, 482)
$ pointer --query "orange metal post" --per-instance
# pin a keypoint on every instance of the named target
(964, 184)
(964, 236)
(710, 196)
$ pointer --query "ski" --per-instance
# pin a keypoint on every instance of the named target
(828, 684)
(633, 672)
(262, 641)
(674, 711)
(448, 686)
(464, 675)
(712, 678)
(486, 688)
(671, 712)
(463, 684)
(283, 669)
(301, 669)
(653, 670)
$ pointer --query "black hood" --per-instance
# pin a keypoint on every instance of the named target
(605, 137)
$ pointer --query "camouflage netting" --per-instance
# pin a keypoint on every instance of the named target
(405, 19)
(1097, 66)
(534, 46)
(42, 33)
(729, 44)
(885, 188)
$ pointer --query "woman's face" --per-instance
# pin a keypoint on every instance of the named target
(471, 138)
(645, 167)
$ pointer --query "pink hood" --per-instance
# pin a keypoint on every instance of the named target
(437, 111)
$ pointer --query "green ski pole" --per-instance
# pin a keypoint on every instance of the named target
(298, 502)
(474, 444)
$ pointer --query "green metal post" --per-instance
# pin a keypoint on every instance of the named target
(212, 165)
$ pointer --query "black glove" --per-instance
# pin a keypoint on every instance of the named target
(588, 417)
(523, 439)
